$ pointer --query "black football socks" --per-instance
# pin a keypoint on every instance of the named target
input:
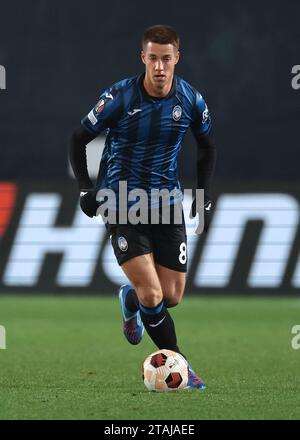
(160, 326)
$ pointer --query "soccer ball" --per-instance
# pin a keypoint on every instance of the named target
(165, 370)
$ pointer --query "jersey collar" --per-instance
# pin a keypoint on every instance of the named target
(144, 95)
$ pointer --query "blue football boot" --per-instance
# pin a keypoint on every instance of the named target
(133, 327)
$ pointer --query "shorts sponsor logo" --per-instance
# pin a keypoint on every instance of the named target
(177, 112)
(122, 243)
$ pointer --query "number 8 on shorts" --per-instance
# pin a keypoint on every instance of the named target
(183, 253)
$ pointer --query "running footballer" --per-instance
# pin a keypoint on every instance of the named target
(146, 118)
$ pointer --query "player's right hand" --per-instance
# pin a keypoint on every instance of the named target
(88, 203)
(207, 209)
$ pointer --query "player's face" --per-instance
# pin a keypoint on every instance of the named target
(160, 61)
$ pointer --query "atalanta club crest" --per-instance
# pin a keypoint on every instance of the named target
(122, 243)
(177, 112)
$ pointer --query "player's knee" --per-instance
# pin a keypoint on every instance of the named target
(149, 297)
(173, 301)
(173, 298)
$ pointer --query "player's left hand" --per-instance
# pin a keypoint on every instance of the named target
(207, 208)
(88, 202)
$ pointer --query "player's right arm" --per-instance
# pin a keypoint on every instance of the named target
(77, 154)
(206, 150)
(79, 139)
(98, 119)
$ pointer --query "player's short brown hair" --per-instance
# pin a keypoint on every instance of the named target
(161, 34)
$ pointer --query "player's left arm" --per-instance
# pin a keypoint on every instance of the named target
(206, 156)
(96, 121)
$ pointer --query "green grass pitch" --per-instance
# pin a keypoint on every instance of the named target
(66, 358)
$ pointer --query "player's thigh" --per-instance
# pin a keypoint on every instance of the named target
(129, 241)
(170, 255)
(132, 246)
(169, 246)
(142, 274)
(172, 283)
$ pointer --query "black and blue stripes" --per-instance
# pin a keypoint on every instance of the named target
(144, 133)
(153, 310)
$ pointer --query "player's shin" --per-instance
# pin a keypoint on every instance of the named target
(160, 326)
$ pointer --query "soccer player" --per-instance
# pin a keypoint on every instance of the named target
(146, 118)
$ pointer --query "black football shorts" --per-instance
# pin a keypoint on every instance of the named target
(166, 242)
